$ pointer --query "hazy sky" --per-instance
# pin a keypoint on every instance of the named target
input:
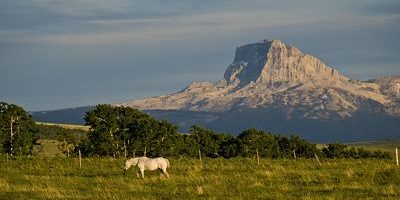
(69, 53)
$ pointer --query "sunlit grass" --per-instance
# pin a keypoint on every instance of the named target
(240, 178)
(66, 126)
(382, 145)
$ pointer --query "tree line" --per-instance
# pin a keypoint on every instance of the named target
(128, 132)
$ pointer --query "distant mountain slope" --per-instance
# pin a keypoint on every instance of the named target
(361, 126)
(67, 116)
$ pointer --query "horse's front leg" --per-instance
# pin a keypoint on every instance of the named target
(138, 174)
(164, 171)
(161, 173)
(142, 172)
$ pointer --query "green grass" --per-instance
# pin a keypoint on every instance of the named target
(382, 145)
(240, 178)
(50, 175)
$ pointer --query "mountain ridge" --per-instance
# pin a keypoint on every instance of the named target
(269, 72)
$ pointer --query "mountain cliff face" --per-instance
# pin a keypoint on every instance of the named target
(272, 75)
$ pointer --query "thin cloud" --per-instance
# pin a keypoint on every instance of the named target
(173, 28)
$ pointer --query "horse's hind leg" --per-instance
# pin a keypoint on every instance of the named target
(164, 170)
(161, 173)
(166, 173)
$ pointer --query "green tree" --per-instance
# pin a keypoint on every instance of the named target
(187, 146)
(335, 150)
(103, 129)
(145, 133)
(252, 140)
(152, 136)
(229, 146)
(284, 144)
(166, 139)
(206, 141)
(126, 117)
(302, 148)
(17, 130)
(124, 131)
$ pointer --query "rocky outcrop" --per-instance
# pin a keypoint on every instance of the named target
(270, 74)
(389, 86)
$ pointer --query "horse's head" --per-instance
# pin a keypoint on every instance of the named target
(129, 163)
(126, 166)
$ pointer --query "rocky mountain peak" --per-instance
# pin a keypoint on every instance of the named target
(248, 63)
(273, 63)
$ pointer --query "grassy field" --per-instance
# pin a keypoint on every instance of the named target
(240, 178)
(383, 145)
(51, 175)
(66, 126)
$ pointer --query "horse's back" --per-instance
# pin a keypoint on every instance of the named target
(163, 162)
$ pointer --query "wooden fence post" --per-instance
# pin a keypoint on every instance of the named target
(258, 158)
(80, 159)
(125, 149)
(199, 154)
(317, 159)
(397, 157)
(201, 163)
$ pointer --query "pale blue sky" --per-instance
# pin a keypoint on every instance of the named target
(69, 53)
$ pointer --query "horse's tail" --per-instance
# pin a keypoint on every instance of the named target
(167, 162)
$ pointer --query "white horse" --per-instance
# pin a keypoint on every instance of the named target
(151, 164)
